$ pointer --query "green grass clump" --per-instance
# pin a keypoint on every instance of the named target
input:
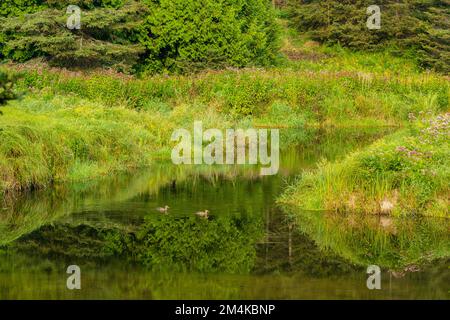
(46, 140)
(409, 170)
(50, 137)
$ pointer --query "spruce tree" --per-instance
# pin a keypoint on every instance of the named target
(6, 88)
(107, 37)
(417, 26)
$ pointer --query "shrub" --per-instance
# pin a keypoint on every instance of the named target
(418, 26)
(107, 36)
(186, 35)
(409, 169)
(19, 7)
(6, 85)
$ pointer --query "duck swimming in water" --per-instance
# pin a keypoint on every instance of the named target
(203, 214)
(163, 210)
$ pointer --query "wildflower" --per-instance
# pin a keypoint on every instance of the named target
(401, 149)
(411, 116)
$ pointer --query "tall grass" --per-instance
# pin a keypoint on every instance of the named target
(75, 125)
(318, 96)
(47, 138)
(408, 169)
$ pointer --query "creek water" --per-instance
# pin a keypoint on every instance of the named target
(249, 248)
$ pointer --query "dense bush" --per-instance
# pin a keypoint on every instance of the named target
(6, 85)
(107, 36)
(183, 35)
(175, 35)
(417, 26)
(19, 7)
(407, 170)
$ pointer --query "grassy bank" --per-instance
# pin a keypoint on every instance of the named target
(404, 173)
(47, 137)
(80, 125)
(330, 95)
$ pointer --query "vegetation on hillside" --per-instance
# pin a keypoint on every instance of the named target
(418, 29)
(152, 36)
(6, 88)
(189, 35)
(107, 37)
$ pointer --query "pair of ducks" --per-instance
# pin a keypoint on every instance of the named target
(202, 214)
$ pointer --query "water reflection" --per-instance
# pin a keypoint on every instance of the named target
(248, 248)
(400, 244)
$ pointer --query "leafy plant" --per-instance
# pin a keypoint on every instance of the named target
(420, 27)
(188, 35)
(19, 7)
(107, 37)
(6, 88)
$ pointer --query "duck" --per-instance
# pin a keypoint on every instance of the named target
(203, 214)
(163, 210)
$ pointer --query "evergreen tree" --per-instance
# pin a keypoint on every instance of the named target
(185, 35)
(6, 88)
(107, 37)
(417, 26)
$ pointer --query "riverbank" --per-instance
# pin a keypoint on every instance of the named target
(404, 173)
(73, 126)
(81, 125)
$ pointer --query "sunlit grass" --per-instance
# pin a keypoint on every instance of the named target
(408, 170)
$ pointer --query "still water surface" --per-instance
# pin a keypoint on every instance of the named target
(248, 249)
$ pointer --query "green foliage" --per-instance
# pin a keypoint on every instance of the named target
(107, 37)
(112, 105)
(175, 36)
(6, 88)
(222, 244)
(162, 242)
(80, 241)
(42, 141)
(188, 35)
(321, 96)
(395, 243)
(19, 7)
(408, 169)
(85, 4)
(420, 27)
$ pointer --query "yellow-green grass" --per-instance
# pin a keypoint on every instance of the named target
(46, 138)
(330, 96)
(404, 173)
(81, 125)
